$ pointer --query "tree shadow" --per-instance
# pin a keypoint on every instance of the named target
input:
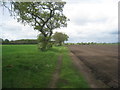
(53, 50)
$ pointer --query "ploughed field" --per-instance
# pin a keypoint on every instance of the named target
(101, 59)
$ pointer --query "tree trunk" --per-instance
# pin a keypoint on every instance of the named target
(45, 44)
(60, 43)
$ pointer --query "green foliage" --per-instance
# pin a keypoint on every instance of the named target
(44, 42)
(50, 45)
(21, 41)
(6, 41)
(25, 41)
(42, 16)
(60, 38)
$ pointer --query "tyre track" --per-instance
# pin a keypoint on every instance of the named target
(56, 74)
(86, 72)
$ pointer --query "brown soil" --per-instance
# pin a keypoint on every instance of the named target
(98, 63)
(55, 76)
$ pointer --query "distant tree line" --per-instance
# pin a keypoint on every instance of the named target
(81, 43)
(22, 41)
(57, 39)
(90, 43)
(55, 42)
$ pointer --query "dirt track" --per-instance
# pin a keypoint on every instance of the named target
(102, 60)
(55, 76)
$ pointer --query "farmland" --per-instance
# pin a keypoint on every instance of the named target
(102, 60)
(71, 66)
(24, 66)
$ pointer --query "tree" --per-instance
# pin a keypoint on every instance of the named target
(60, 37)
(42, 16)
(6, 41)
(43, 46)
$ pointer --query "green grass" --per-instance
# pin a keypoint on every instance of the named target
(24, 66)
(69, 76)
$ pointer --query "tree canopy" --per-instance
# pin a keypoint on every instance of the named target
(60, 37)
(42, 16)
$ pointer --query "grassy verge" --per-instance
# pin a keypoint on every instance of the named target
(69, 76)
(24, 66)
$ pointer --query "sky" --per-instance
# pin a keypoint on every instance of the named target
(90, 21)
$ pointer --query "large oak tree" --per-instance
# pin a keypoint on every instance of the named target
(42, 16)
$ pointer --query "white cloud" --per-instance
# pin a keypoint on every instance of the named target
(90, 20)
(14, 30)
(93, 21)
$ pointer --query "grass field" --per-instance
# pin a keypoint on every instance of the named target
(24, 66)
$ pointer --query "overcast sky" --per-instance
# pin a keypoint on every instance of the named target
(90, 21)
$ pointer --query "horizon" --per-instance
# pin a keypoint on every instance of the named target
(65, 41)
